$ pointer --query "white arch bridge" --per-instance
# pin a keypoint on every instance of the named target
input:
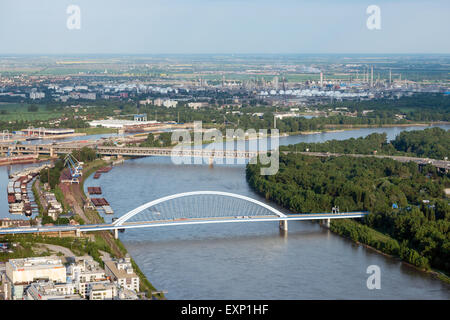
(193, 208)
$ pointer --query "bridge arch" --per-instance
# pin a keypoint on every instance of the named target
(120, 221)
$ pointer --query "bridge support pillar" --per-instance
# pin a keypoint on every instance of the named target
(284, 225)
(211, 162)
(326, 223)
(78, 233)
(52, 153)
(116, 233)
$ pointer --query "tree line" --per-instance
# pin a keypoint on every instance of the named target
(407, 204)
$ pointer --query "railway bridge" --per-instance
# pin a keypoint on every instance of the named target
(53, 150)
(64, 148)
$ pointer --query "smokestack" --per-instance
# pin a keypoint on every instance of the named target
(371, 76)
(390, 76)
(321, 79)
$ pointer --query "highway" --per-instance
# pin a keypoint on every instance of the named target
(441, 164)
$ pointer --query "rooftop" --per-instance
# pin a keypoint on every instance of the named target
(36, 263)
(123, 273)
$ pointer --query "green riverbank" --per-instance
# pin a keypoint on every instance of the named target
(382, 244)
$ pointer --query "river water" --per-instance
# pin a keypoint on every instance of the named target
(248, 260)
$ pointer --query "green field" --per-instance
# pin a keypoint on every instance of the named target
(19, 112)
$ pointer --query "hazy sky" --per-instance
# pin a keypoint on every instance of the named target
(224, 26)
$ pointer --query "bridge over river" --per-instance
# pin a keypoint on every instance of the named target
(207, 153)
(218, 207)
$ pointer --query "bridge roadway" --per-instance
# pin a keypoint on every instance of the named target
(64, 148)
(67, 147)
(179, 222)
(441, 164)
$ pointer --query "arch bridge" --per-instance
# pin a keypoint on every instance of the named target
(193, 208)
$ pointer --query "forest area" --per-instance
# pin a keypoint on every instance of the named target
(409, 214)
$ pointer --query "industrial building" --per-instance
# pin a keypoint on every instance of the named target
(47, 131)
(119, 124)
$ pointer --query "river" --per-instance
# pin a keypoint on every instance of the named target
(248, 260)
(254, 260)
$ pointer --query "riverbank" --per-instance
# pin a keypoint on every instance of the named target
(380, 243)
(116, 246)
(305, 184)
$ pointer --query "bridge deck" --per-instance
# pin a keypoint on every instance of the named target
(65, 147)
(191, 221)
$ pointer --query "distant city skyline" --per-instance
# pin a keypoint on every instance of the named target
(223, 27)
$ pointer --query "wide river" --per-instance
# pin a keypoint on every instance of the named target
(248, 260)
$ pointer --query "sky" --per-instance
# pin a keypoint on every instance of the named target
(223, 26)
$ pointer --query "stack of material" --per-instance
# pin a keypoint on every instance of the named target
(99, 202)
(94, 190)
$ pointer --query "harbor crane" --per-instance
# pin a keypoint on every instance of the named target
(75, 167)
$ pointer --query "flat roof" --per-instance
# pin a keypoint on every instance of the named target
(36, 263)
(119, 273)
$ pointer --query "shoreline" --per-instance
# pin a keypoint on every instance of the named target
(342, 128)
(143, 278)
(434, 273)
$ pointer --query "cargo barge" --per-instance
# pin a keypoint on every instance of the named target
(104, 170)
(99, 202)
(94, 190)
(19, 159)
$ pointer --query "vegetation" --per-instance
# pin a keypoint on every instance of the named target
(423, 107)
(79, 246)
(406, 204)
(52, 175)
(163, 140)
(432, 143)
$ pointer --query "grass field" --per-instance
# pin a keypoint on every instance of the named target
(19, 111)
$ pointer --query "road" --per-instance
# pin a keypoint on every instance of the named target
(441, 164)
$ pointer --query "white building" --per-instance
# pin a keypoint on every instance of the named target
(121, 271)
(119, 124)
(197, 105)
(37, 95)
(44, 290)
(85, 273)
(170, 103)
(28, 270)
(21, 272)
(48, 279)
(103, 291)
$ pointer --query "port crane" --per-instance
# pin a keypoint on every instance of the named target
(75, 167)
